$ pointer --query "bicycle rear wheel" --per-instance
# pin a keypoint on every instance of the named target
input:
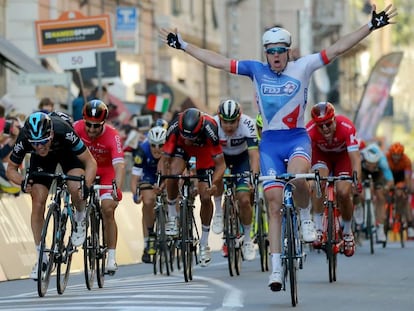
(291, 256)
(46, 258)
(102, 248)
(186, 236)
(90, 249)
(66, 250)
(388, 223)
(229, 232)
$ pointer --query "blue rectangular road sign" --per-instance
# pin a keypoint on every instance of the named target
(126, 18)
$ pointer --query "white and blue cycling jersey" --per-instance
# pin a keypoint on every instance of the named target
(282, 99)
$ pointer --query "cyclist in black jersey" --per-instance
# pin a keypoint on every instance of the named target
(51, 141)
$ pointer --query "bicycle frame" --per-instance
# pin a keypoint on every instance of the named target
(292, 253)
(189, 235)
(94, 247)
(332, 241)
(233, 232)
(56, 246)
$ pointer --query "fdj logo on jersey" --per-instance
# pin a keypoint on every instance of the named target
(286, 89)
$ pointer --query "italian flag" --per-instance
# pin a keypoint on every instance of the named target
(158, 103)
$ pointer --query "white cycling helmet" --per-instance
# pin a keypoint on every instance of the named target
(277, 35)
(157, 135)
(371, 154)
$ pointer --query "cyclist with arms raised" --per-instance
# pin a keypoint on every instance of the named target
(146, 158)
(193, 134)
(238, 138)
(104, 142)
(52, 141)
(281, 92)
(335, 151)
(374, 163)
(401, 167)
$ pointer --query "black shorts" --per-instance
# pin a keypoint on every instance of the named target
(49, 163)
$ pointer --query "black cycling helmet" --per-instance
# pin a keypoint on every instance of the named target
(95, 111)
(191, 123)
(38, 126)
(229, 110)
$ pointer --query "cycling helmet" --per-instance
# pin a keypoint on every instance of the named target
(322, 112)
(277, 35)
(95, 111)
(371, 154)
(259, 121)
(161, 122)
(191, 123)
(157, 135)
(396, 148)
(229, 110)
(38, 126)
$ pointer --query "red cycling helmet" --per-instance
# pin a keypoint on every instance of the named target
(396, 148)
(322, 112)
(95, 111)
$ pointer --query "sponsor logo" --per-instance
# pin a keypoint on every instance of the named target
(288, 89)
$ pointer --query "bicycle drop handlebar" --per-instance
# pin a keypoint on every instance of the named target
(209, 176)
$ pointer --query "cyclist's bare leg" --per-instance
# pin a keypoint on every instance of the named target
(74, 190)
(39, 195)
(246, 211)
(300, 165)
(274, 201)
(148, 215)
(111, 230)
(345, 203)
(206, 211)
(176, 166)
(317, 203)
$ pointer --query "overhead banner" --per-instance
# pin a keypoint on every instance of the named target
(376, 95)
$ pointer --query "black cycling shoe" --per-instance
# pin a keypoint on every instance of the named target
(146, 258)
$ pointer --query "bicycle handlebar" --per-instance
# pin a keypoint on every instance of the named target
(161, 177)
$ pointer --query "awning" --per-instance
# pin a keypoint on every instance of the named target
(11, 54)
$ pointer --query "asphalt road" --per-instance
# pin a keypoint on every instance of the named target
(383, 281)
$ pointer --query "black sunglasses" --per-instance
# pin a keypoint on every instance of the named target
(327, 124)
(157, 146)
(40, 142)
(93, 125)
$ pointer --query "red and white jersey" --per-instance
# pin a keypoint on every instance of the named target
(344, 138)
(106, 148)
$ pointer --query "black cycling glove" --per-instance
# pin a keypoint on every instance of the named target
(175, 41)
(378, 20)
(85, 192)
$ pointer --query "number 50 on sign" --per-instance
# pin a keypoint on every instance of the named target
(77, 60)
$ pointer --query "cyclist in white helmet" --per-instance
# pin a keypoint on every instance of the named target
(374, 162)
(143, 177)
(281, 92)
(238, 138)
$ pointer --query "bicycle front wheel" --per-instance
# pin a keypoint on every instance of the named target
(162, 255)
(229, 233)
(102, 248)
(369, 209)
(261, 237)
(46, 258)
(90, 248)
(331, 243)
(291, 256)
(186, 236)
(66, 250)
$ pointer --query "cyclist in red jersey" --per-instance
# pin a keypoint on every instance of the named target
(193, 134)
(335, 150)
(104, 142)
(401, 167)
